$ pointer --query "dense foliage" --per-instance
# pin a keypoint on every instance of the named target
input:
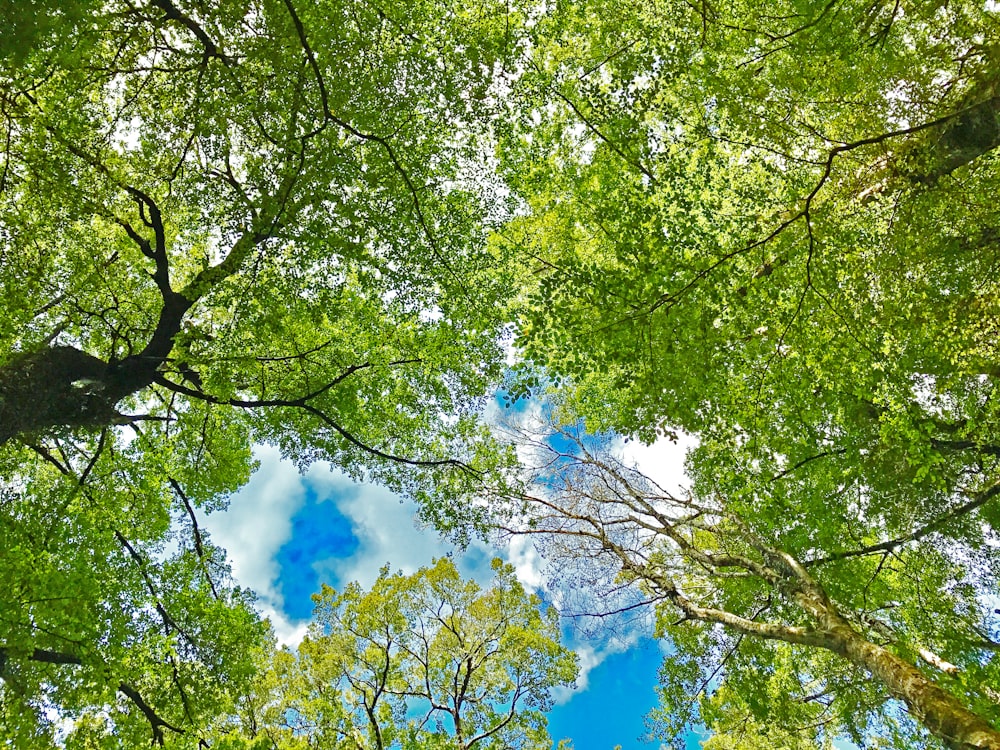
(221, 224)
(772, 227)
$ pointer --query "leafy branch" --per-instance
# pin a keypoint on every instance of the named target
(303, 403)
(45, 656)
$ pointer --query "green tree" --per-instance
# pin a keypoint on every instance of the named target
(889, 641)
(107, 636)
(773, 227)
(420, 661)
(220, 224)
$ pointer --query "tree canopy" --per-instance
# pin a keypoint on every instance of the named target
(420, 661)
(762, 226)
(222, 224)
(772, 227)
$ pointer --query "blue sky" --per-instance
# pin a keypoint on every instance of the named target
(286, 533)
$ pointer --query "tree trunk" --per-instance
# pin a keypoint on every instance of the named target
(61, 386)
(936, 708)
(933, 706)
(954, 143)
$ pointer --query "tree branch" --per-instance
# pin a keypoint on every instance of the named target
(198, 546)
(803, 462)
(173, 13)
(938, 523)
(157, 723)
(46, 656)
(302, 403)
(770, 631)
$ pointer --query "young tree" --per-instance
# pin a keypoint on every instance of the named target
(221, 224)
(876, 636)
(420, 661)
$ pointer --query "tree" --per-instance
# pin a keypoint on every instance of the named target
(155, 213)
(222, 224)
(773, 228)
(419, 661)
(891, 639)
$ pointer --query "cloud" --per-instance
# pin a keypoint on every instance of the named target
(287, 631)
(254, 527)
(591, 657)
(588, 657)
(258, 521)
(661, 461)
(386, 531)
(528, 564)
(279, 501)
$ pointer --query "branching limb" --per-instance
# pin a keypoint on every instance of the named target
(173, 13)
(937, 524)
(671, 298)
(156, 722)
(382, 141)
(767, 630)
(303, 403)
(198, 545)
(803, 462)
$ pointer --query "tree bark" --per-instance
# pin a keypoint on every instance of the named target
(62, 386)
(936, 708)
(972, 133)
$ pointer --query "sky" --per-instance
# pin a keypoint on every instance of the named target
(286, 533)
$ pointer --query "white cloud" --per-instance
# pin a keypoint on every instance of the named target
(257, 523)
(590, 658)
(387, 532)
(662, 461)
(528, 564)
(287, 631)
